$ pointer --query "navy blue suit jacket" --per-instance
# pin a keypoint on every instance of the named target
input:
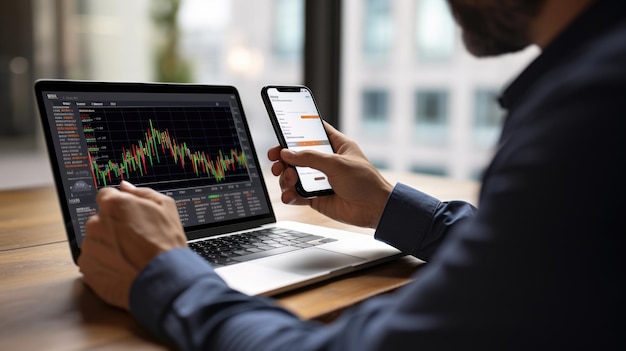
(537, 266)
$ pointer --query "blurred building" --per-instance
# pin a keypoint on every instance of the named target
(409, 93)
(412, 96)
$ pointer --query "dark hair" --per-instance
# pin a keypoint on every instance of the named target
(493, 27)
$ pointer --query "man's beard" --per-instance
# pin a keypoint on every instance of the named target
(494, 27)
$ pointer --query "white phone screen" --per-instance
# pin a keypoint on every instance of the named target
(302, 128)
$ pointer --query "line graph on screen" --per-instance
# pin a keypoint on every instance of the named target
(164, 148)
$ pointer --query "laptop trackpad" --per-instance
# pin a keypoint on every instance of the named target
(310, 261)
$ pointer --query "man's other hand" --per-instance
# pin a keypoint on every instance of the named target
(132, 226)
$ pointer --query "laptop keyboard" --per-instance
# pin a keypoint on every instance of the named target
(252, 245)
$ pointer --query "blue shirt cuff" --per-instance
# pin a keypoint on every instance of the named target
(406, 218)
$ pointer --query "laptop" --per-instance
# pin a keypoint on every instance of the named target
(191, 142)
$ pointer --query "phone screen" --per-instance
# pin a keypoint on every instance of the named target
(299, 122)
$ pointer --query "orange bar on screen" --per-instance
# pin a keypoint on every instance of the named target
(309, 143)
(309, 116)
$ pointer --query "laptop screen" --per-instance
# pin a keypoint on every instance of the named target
(191, 142)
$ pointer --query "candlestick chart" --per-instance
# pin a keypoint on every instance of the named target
(164, 148)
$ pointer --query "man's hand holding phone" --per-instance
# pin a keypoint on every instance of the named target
(360, 191)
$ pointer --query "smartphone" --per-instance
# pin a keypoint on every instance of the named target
(298, 126)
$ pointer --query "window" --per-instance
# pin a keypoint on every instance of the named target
(377, 30)
(434, 30)
(431, 116)
(375, 111)
(247, 44)
(379, 164)
(487, 117)
(289, 29)
(433, 170)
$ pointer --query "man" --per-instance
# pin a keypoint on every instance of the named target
(538, 266)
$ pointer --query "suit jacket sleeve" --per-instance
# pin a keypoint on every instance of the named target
(416, 223)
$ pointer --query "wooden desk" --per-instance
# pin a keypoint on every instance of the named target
(44, 304)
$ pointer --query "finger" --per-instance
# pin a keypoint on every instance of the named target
(290, 197)
(99, 229)
(288, 179)
(145, 193)
(309, 158)
(333, 134)
(273, 154)
(278, 168)
(110, 202)
(127, 186)
(330, 130)
(106, 193)
(92, 229)
(338, 140)
(113, 203)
